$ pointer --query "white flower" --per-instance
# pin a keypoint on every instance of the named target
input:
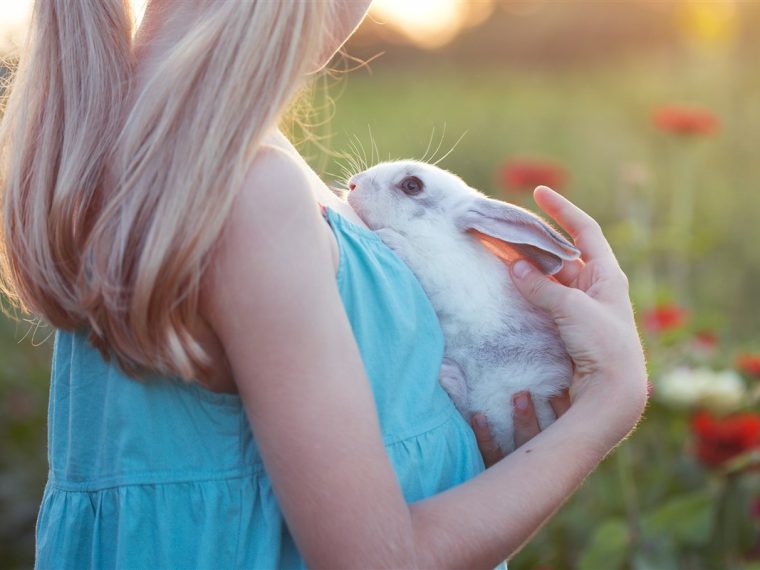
(691, 387)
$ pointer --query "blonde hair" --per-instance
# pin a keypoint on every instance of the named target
(113, 198)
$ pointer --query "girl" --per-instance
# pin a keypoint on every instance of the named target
(239, 379)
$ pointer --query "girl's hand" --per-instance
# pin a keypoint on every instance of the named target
(588, 300)
(526, 425)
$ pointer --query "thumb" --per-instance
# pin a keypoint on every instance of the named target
(536, 287)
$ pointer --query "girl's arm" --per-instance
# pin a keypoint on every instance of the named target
(271, 297)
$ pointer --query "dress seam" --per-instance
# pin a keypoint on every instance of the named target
(239, 528)
(419, 434)
(369, 240)
(95, 487)
(333, 221)
(365, 235)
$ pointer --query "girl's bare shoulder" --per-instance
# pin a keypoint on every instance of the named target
(275, 196)
(274, 221)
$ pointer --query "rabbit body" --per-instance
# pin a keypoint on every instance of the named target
(497, 344)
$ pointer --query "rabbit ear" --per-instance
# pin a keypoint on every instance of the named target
(511, 232)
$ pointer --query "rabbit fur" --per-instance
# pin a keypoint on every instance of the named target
(454, 239)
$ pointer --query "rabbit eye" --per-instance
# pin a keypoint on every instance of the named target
(411, 185)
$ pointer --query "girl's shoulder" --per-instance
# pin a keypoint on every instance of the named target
(276, 209)
(273, 228)
(320, 191)
(276, 186)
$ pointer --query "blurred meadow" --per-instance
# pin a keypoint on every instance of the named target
(647, 115)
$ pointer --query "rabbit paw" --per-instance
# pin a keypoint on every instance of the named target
(391, 238)
(453, 381)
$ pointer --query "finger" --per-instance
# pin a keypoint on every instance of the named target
(569, 272)
(526, 423)
(560, 403)
(539, 289)
(486, 443)
(582, 228)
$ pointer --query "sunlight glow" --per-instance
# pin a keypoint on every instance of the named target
(709, 23)
(15, 16)
(426, 23)
(430, 23)
(138, 11)
(14, 21)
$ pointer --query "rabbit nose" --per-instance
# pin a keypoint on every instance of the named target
(353, 182)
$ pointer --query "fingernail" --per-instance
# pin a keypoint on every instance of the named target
(520, 401)
(521, 268)
(480, 421)
(547, 189)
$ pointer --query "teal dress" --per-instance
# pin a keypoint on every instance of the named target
(159, 473)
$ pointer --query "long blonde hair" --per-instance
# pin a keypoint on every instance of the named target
(113, 198)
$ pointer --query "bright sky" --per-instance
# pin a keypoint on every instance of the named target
(429, 23)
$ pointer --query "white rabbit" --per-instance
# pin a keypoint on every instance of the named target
(497, 344)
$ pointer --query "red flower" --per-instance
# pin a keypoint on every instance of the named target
(706, 339)
(749, 364)
(721, 439)
(664, 318)
(705, 343)
(685, 120)
(526, 174)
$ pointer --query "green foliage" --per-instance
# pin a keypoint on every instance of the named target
(607, 548)
(688, 519)
(24, 371)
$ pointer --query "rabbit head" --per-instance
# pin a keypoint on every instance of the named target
(412, 198)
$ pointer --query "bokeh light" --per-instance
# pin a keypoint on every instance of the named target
(430, 23)
(426, 23)
(708, 22)
(14, 19)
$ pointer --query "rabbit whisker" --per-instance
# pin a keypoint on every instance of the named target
(451, 149)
